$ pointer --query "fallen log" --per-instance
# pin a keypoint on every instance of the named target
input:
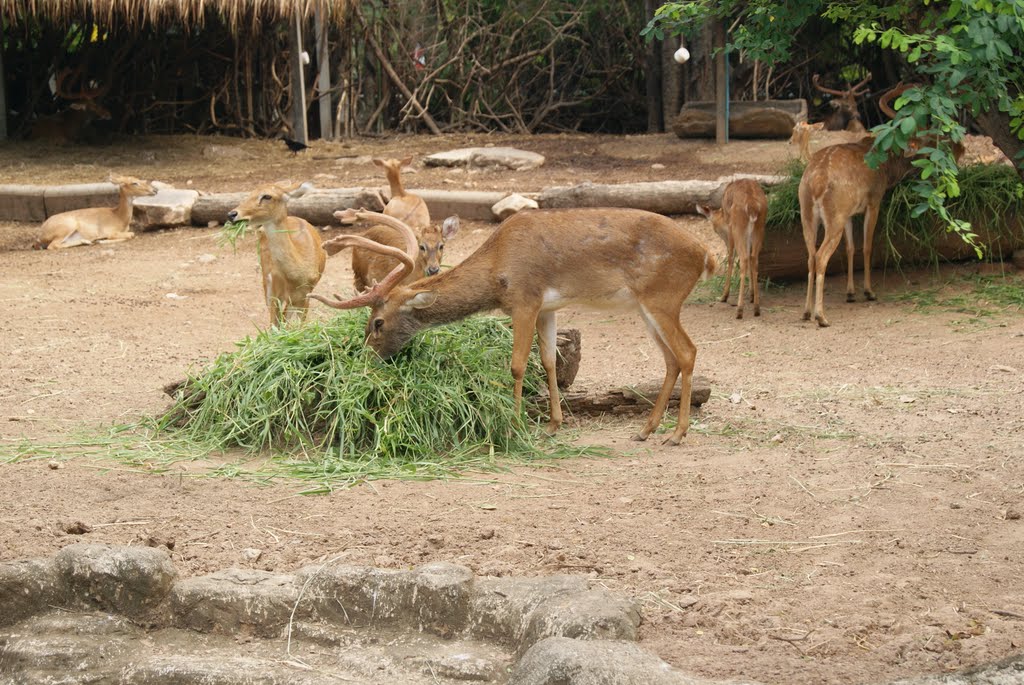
(631, 400)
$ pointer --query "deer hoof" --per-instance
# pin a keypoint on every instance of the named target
(757, 311)
(868, 295)
(739, 313)
(850, 297)
(639, 437)
(822, 321)
(672, 441)
(551, 428)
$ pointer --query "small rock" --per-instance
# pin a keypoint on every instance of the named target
(657, 167)
(76, 528)
(512, 204)
(251, 554)
(907, 399)
(1012, 515)
(53, 465)
(736, 398)
(175, 296)
(206, 258)
(777, 437)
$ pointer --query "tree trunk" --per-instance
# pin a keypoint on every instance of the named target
(652, 73)
(996, 125)
(671, 82)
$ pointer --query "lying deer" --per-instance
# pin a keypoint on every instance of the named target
(837, 185)
(95, 224)
(535, 263)
(740, 224)
(292, 258)
(845, 114)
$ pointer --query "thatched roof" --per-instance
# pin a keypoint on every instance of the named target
(237, 14)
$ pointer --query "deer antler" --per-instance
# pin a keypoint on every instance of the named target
(852, 91)
(890, 95)
(407, 258)
(85, 97)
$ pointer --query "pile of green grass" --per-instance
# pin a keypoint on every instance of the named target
(990, 199)
(317, 390)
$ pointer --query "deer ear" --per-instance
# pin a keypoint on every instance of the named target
(406, 161)
(422, 299)
(704, 210)
(450, 226)
(378, 161)
(298, 191)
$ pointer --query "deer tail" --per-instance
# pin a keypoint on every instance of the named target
(710, 264)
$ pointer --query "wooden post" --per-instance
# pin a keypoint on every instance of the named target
(721, 86)
(3, 88)
(323, 82)
(652, 73)
(299, 130)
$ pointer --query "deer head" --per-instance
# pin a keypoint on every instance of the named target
(844, 104)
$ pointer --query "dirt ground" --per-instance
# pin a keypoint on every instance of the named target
(846, 508)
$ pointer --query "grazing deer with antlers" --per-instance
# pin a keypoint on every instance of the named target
(837, 185)
(740, 224)
(845, 115)
(95, 224)
(537, 262)
(292, 258)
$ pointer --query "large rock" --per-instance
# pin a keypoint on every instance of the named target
(563, 661)
(129, 580)
(486, 158)
(235, 601)
(27, 588)
(169, 207)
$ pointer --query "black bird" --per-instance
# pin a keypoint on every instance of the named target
(294, 145)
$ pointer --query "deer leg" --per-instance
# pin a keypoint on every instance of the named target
(730, 250)
(744, 270)
(809, 219)
(547, 335)
(118, 237)
(73, 239)
(828, 247)
(870, 218)
(523, 324)
(755, 289)
(680, 354)
(848, 233)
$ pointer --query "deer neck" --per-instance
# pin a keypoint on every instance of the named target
(125, 204)
(279, 237)
(462, 291)
(395, 181)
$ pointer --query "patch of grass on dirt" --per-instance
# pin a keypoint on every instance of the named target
(976, 295)
(313, 403)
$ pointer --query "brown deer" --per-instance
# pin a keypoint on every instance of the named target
(95, 224)
(68, 126)
(292, 258)
(837, 185)
(740, 224)
(537, 262)
(403, 206)
(845, 115)
(368, 266)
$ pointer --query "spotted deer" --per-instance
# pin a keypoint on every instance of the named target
(740, 224)
(836, 186)
(292, 258)
(539, 261)
(96, 224)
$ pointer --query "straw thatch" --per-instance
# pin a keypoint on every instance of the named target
(236, 15)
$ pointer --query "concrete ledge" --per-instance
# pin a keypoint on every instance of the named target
(22, 203)
(79, 196)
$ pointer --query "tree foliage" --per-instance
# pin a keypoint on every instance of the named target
(962, 56)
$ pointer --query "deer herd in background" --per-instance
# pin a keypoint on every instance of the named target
(539, 261)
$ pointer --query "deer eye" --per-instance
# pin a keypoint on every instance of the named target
(264, 198)
(423, 248)
(440, 247)
(378, 324)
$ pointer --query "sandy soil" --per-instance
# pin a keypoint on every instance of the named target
(846, 508)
